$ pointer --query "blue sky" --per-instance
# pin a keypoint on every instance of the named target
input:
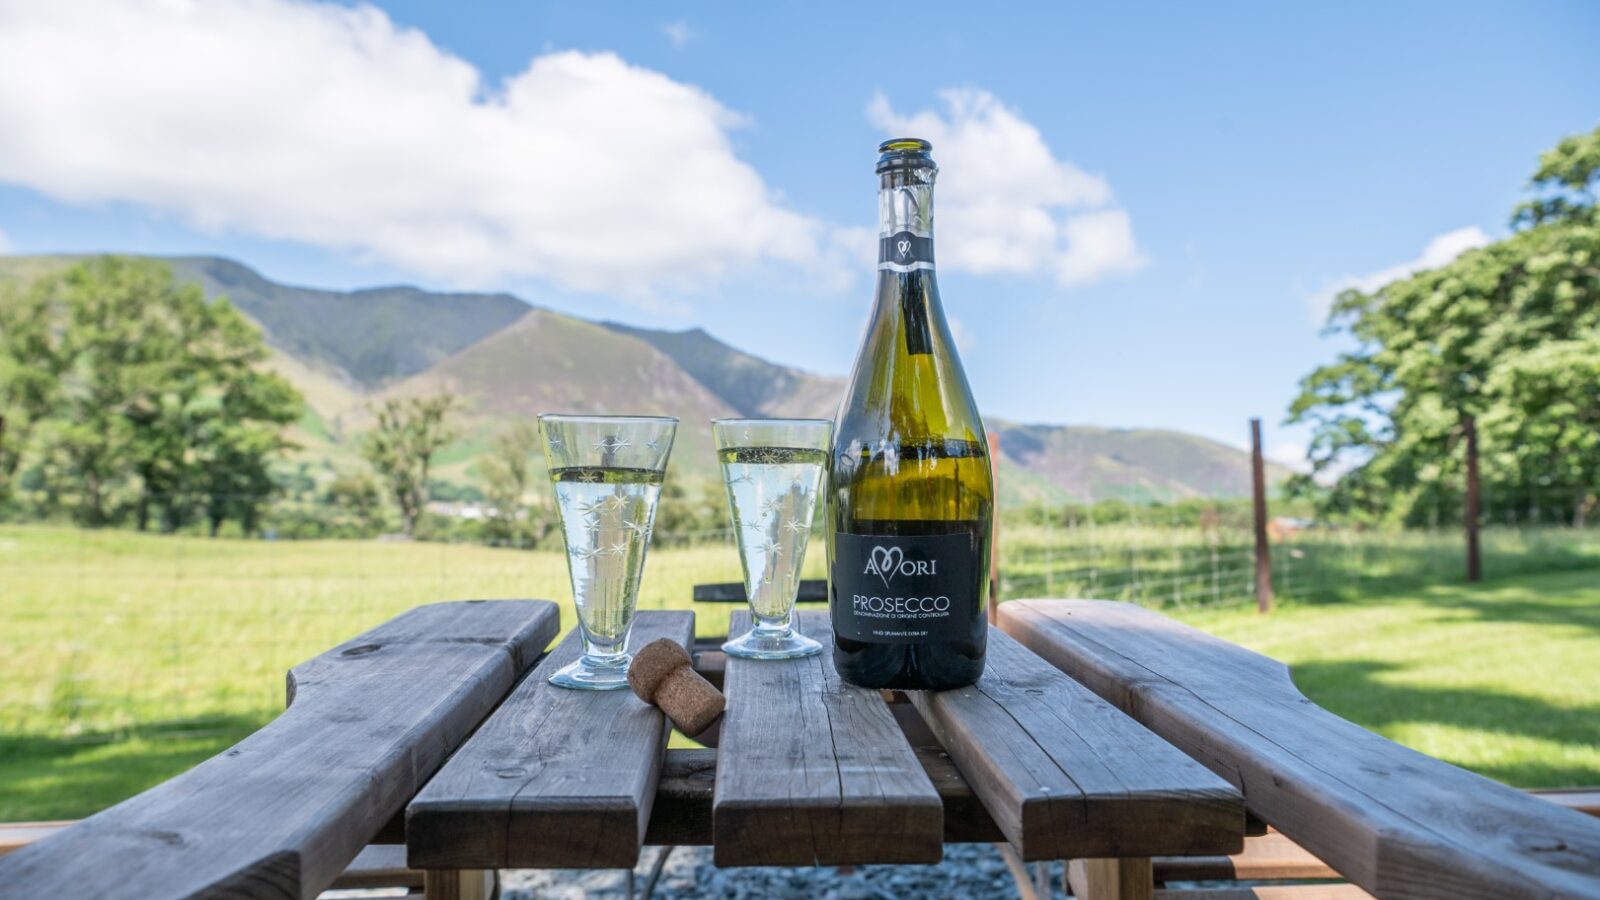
(1139, 211)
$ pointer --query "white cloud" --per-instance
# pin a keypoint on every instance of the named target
(5, 243)
(1006, 202)
(336, 127)
(1442, 249)
(678, 33)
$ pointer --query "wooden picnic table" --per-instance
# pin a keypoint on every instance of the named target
(1067, 749)
(812, 771)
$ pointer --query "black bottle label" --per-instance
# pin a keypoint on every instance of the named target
(904, 251)
(904, 590)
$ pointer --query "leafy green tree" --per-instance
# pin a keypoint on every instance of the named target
(1505, 333)
(32, 359)
(135, 387)
(359, 497)
(507, 472)
(401, 446)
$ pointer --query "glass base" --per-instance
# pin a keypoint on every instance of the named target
(590, 674)
(758, 644)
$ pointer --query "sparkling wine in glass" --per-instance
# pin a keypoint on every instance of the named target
(607, 472)
(772, 469)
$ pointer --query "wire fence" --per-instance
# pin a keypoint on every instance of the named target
(114, 637)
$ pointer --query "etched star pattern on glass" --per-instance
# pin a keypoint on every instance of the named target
(771, 469)
(607, 473)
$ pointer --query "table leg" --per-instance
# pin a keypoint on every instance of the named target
(460, 884)
(1110, 879)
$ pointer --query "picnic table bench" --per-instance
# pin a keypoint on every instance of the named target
(1101, 734)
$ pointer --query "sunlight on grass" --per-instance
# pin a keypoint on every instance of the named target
(127, 658)
(1503, 679)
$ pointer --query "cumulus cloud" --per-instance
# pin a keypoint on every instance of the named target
(334, 126)
(1441, 250)
(1007, 203)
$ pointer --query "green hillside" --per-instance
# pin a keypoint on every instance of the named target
(750, 385)
(505, 360)
(548, 362)
(373, 336)
(1089, 463)
(368, 337)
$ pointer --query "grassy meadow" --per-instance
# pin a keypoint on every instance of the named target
(125, 658)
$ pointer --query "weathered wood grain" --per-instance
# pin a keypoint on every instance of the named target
(556, 778)
(1395, 822)
(1068, 776)
(811, 771)
(682, 811)
(1110, 879)
(282, 813)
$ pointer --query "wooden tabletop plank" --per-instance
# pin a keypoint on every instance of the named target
(285, 811)
(812, 771)
(1068, 776)
(556, 778)
(1395, 822)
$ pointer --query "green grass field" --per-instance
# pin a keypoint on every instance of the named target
(125, 658)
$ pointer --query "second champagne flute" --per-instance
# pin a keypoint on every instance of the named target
(772, 468)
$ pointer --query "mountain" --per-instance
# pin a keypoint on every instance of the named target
(549, 362)
(369, 336)
(1088, 463)
(504, 359)
(751, 385)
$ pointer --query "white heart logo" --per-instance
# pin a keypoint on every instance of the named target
(887, 561)
(904, 247)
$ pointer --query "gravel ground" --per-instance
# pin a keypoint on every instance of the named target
(968, 870)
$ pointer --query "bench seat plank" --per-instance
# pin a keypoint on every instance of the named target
(285, 811)
(1068, 776)
(1269, 892)
(556, 778)
(1395, 822)
(812, 771)
(1268, 857)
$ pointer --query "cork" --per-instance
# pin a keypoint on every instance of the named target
(663, 674)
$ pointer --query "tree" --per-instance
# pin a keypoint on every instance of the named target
(401, 447)
(359, 497)
(32, 359)
(1504, 333)
(507, 470)
(136, 391)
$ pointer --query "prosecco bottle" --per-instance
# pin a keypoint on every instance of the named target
(912, 498)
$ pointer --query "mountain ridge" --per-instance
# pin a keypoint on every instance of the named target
(505, 358)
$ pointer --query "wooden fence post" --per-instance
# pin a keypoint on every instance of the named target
(1469, 428)
(1258, 486)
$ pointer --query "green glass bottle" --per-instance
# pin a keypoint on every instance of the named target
(911, 492)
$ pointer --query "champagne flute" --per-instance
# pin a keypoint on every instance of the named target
(607, 472)
(771, 469)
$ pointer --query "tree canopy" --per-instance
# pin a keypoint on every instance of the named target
(1508, 333)
(128, 395)
(401, 446)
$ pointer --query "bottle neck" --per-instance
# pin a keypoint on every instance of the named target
(905, 220)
